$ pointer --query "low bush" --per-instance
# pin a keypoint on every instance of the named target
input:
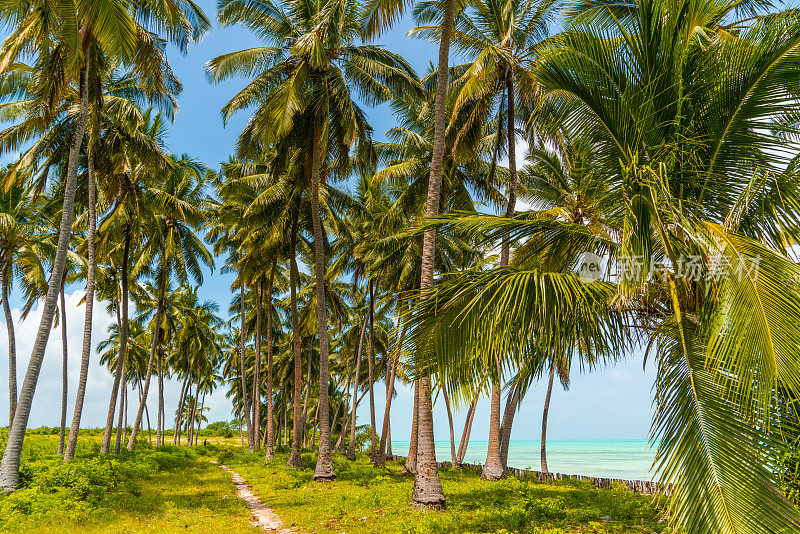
(51, 488)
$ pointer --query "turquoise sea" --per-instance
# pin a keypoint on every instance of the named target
(630, 460)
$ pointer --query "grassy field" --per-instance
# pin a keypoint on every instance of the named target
(172, 490)
(364, 500)
(177, 489)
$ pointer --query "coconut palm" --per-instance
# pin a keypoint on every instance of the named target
(131, 207)
(404, 183)
(173, 248)
(684, 151)
(20, 228)
(320, 62)
(379, 15)
(499, 37)
(66, 43)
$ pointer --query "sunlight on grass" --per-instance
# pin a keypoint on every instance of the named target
(167, 490)
(365, 500)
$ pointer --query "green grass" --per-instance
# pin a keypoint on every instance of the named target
(177, 489)
(169, 490)
(365, 500)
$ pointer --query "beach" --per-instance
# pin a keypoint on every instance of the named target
(625, 459)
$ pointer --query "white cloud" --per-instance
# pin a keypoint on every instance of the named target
(46, 409)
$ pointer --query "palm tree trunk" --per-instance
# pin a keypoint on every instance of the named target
(119, 380)
(146, 413)
(86, 352)
(306, 394)
(245, 395)
(512, 165)
(285, 422)
(324, 467)
(453, 456)
(465, 434)
(544, 417)
(340, 443)
(371, 372)
(314, 428)
(257, 369)
(351, 452)
(64, 378)
(335, 420)
(160, 385)
(150, 360)
(270, 408)
(294, 457)
(9, 469)
(427, 491)
(123, 412)
(123, 416)
(279, 435)
(508, 420)
(493, 468)
(410, 466)
(200, 418)
(12, 348)
(176, 437)
(380, 459)
(192, 414)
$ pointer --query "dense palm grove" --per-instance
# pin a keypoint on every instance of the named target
(662, 139)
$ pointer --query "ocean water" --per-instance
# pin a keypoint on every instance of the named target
(630, 460)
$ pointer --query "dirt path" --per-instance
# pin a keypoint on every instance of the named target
(263, 516)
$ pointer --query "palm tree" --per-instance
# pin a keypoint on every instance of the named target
(683, 150)
(78, 36)
(499, 37)
(137, 341)
(120, 97)
(312, 90)
(379, 15)
(173, 248)
(382, 242)
(19, 233)
(195, 345)
(251, 225)
(130, 211)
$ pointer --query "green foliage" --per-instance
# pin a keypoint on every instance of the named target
(51, 489)
(364, 500)
(219, 428)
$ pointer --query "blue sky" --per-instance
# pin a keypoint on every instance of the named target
(611, 403)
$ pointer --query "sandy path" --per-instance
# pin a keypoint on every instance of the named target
(263, 516)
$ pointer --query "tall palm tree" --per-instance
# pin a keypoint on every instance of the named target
(310, 72)
(407, 155)
(379, 15)
(499, 37)
(684, 150)
(173, 248)
(19, 232)
(65, 42)
(130, 210)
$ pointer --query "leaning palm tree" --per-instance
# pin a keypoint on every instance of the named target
(306, 87)
(66, 42)
(701, 262)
